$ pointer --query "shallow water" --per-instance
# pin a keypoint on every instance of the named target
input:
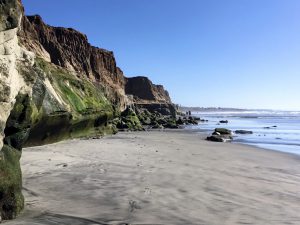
(284, 137)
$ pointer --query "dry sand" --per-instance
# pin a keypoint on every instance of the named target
(158, 177)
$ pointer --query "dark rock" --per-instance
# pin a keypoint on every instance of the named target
(215, 138)
(219, 138)
(203, 120)
(223, 131)
(180, 121)
(171, 126)
(272, 127)
(223, 121)
(216, 133)
(16, 133)
(243, 132)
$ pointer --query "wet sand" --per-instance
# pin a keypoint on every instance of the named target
(170, 177)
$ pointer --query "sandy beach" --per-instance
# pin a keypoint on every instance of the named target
(169, 177)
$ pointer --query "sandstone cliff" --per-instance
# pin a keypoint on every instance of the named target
(146, 95)
(71, 50)
(144, 91)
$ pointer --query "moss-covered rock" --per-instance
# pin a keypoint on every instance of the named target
(66, 106)
(11, 198)
(16, 133)
(19, 122)
(129, 121)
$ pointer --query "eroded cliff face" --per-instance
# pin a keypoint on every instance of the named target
(70, 49)
(144, 91)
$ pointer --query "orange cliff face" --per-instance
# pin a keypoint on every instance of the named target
(70, 49)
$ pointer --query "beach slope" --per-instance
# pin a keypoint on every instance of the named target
(170, 177)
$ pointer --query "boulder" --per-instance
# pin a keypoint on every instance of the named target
(216, 133)
(223, 131)
(219, 138)
(220, 135)
(180, 121)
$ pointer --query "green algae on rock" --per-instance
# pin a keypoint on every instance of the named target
(16, 133)
(67, 107)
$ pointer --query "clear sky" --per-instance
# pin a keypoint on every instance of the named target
(227, 53)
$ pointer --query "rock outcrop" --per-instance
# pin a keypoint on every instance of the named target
(144, 91)
(146, 95)
(15, 92)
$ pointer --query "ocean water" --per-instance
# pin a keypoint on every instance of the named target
(284, 137)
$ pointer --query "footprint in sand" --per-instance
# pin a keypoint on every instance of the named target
(147, 191)
(133, 205)
(102, 171)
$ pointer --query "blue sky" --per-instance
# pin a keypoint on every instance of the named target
(233, 53)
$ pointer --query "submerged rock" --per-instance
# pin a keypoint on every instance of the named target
(223, 121)
(272, 127)
(243, 132)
